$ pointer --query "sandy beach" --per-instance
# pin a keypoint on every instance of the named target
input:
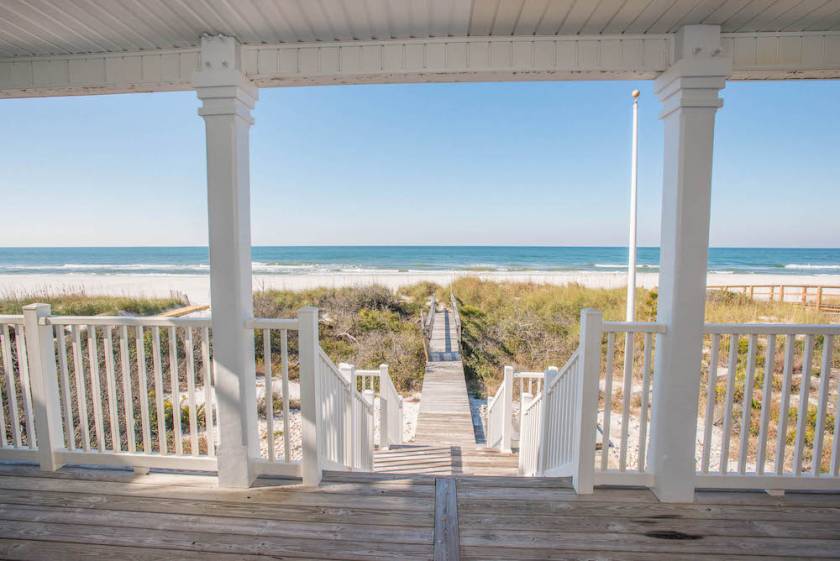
(197, 287)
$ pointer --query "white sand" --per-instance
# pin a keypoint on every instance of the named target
(197, 287)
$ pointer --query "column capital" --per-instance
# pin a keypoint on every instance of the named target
(220, 82)
(698, 72)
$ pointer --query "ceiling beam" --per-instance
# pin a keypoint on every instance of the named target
(756, 56)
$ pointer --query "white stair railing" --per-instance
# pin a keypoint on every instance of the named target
(499, 415)
(557, 426)
(390, 411)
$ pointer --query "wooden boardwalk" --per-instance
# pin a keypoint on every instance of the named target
(104, 514)
(444, 344)
(445, 440)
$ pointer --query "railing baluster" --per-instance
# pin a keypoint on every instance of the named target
(804, 393)
(784, 403)
(190, 372)
(822, 404)
(25, 387)
(643, 422)
(730, 395)
(176, 390)
(95, 388)
(746, 404)
(608, 381)
(128, 397)
(111, 389)
(3, 439)
(11, 393)
(766, 391)
(161, 411)
(711, 396)
(69, 426)
(627, 390)
(143, 388)
(269, 394)
(206, 365)
(81, 390)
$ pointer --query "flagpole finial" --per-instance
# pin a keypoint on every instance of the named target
(636, 94)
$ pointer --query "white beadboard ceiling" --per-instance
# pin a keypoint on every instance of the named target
(62, 27)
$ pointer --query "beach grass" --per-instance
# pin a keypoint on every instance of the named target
(532, 326)
(79, 303)
(364, 326)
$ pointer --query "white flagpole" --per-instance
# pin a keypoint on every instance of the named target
(631, 267)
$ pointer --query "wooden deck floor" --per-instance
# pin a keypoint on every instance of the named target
(91, 514)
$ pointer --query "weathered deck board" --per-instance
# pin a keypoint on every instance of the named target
(522, 522)
(91, 514)
(446, 537)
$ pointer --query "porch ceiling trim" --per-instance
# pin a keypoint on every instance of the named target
(756, 56)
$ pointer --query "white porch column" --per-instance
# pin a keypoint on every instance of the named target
(689, 94)
(228, 98)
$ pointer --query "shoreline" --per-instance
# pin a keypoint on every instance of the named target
(197, 287)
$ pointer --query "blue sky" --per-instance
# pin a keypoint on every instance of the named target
(514, 163)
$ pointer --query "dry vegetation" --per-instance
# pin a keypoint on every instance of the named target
(533, 326)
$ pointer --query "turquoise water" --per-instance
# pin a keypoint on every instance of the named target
(318, 259)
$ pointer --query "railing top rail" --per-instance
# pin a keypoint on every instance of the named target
(360, 372)
(531, 404)
(495, 397)
(361, 399)
(771, 329)
(529, 375)
(777, 285)
(336, 371)
(273, 323)
(634, 327)
(11, 320)
(143, 321)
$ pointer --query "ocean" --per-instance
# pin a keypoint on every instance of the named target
(282, 260)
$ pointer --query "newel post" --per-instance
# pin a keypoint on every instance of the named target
(688, 91)
(507, 411)
(384, 420)
(227, 100)
(549, 377)
(589, 357)
(308, 348)
(40, 353)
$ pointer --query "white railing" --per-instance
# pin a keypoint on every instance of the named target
(625, 401)
(361, 431)
(495, 418)
(390, 411)
(17, 434)
(141, 392)
(529, 434)
(378, 383)
(551, 450)
(499, 415)
(335, 400)
(769, 413)
(135, 391)
(272, 345)
(560, 411)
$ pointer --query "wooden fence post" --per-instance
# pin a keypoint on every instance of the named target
(384, 420)
(507, 411)
(309, 394)
(589, 355)
(40, 350)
